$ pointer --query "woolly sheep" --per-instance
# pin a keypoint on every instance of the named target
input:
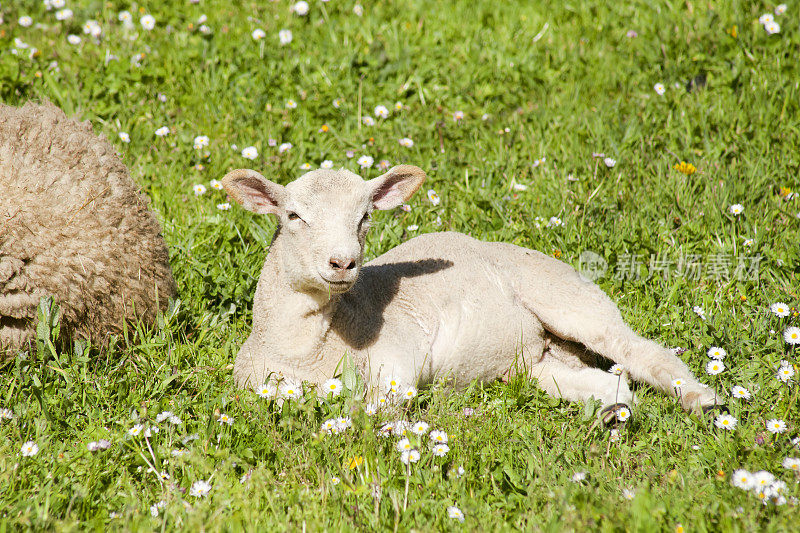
(439, 306)
(73, 226)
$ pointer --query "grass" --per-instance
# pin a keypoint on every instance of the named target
(533, 80)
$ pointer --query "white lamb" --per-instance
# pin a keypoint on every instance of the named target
(439, 306)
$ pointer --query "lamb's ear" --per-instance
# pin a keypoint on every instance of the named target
(255, 192)
(396, 186)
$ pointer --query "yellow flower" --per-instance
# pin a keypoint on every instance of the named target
(356, 462)
(685, 168)
(733, 31)
(679, 528)
(783, 192)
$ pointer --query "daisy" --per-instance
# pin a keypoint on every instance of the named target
(438, 436)
(125, 17)
(291, 104)
(440, 450)
(792, 335)
(64, 14)
(216, 185)
(412, 227)
(740, 392)
(405, 141)
(742, 479)
(398, 106)
(725, 422)
(335, 480)
(577, 477)
(623, 414)
(776, 425)
(74, 39)
(358, 10)
(792, 463)
(410, 393)
(779, 309)
(6, 414)
(780, 9)
(136, 430)
(29, 449)
(343, 423)
(736, 209)
(699, 312)
(291, 390)
(455, 512)
(714, 367)
(25, 21)
(617, 370)
(328, 427)
(677, 383)
(332, 386)
(300, 8)
(420, 428)
(305, 166)
(148, 22)
(659, 89)
(410, 456)
(785, 372)
(715, 352)
(284, 147)
(326, 164)
(392, 384)
(433, 197)
(384, 164)
(381, 111)
(400, 428)
(337, 103)
(460, 472)
(201, 141)
(404, 445)
(610, 162)
(225, 419)
(175, 420)
(368, 121)
(258, 34)
(365, 161)
(225, 206)
(386, 429)
(285, 37)
(124, 137)
(762, 479)
(772, 27)
(163, 415)
(370, 409)
(162, 131)
(458, 115)
(382, 401)
(199, 189)
(766, 17)
(628, 494)
(200, 489)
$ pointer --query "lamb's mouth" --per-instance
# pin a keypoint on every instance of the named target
(338, 286)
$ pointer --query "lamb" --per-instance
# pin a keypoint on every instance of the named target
(439, 306)
(73, 226)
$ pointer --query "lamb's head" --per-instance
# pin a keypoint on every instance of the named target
(323, 216)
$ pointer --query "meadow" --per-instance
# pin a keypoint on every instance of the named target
(659, 141)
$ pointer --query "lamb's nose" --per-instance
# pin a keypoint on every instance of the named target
(340, 263)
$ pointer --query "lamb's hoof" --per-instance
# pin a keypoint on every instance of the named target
(613, 415)
(717, 408)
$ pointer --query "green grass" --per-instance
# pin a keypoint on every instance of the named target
(555, 81)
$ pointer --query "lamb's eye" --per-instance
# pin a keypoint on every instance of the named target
(292, 216)
(364, 220)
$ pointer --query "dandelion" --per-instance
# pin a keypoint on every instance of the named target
(326, 164)
(699, 312)
(736, 209)
(776, 425)
(623, 414)
(420, 428)
(458, 116)
(714, 367)
(617, 370)
(29, 449)
(251, 152)
(792, 463)
(792, 335)
(455, 512)
(368, 121)
(628, 494)
(609, 162)
(355, 462)
(440, 450)
(300, 8)
(740, 392)
(404, 445)
(225, 419)
(577, 477)
(433, 197)
(725, 422)
(410, 393)
(291, 104)
(779, 309)
(285, 37)
(365, 161)
(332, 386)
(258, 34)
(199, 189)
(284, 147)
(291, 390)
(659, 89)
(685, 168)
(410, 456)
(200, 489)
(772, 27)
(742, 479)
(225, 206)
(162, 131)
(148, 22)
(200, 142)
(438, 436)
(136, 430)
(715, 352)
(406, 142)
(381, 111)
(74, 40)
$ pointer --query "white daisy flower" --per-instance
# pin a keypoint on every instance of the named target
(715, 352)
(337, 103)
(766, 17)
(455, 512)
(342, 423)
(136, 430)
(458, 115)
(779, 309)
(285, 37)
(266, 390)
(125, 16)
(659, 89)
(780, 9)
(410, 393)
(438, 436)
(714, 367)
(742, 479)
(792, 335)
(335, 480)
(628, 494)
(124, 137)
(420, 428)
(398, 106)
(460, 472)
(25, 21)
(381, 111)
(162, 131)
(792, 463)
(577, 477)
(216, 185)
(199, 189)
(29, 449)
(332, 386)
(204, 29)
(328, 427)
(404, 445)
(725, 421)
(772, 27)
(300, 8)
(776, 425)
(410, 456)
(305, 166)
(201, 141)
(258, 34)
(365, 161)
(405, 141)
(64, 14)
(163, 415)
(251, 152)
(677, 383)
(291, 104)
(617, 370)
(148, 431)
(284, 147)
(440, 450)
(148, 22)
(400, 428)
(291, 390)
(433, 197)
(382, 401)
(175, 420)
(623, 414)
(74, 39)
(609, 162)
(740, 392)
(224, 418)
(358, 10)
(326, 164)
(699, 312)
(368, 121)
(392, 384)
(412, 227)
(225, 206)
(785, 372)
(370, 409)
(6, 414)
(200, 489)
(762, 479)
(736, 209)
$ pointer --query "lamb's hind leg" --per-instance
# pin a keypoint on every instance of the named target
(577, 310)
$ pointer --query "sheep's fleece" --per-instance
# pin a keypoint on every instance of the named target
(74, 226)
